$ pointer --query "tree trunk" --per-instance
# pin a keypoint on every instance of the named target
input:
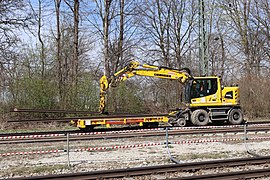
(58, 54)
(42, 54)
(106, 24)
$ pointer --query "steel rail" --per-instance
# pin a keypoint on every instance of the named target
(150, 170)
(87, 137)
(101, 116)
(98, 130)
(38, 133)
(120, 129)
(230, 175)
(21, 110)
(65, 119)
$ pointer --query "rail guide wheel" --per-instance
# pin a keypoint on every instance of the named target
(181, 122)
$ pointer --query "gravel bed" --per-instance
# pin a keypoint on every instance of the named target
(32, 165)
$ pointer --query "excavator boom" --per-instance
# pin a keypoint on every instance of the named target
(134, 68)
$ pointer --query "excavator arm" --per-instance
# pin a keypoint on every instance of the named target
(134, 68)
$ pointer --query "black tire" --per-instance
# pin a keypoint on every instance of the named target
(200, 117)
(236, 116)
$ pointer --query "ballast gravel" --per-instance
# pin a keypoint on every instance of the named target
(11, 166)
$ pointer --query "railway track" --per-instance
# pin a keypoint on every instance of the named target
(172, 168)
(78, 136)
(96, 116)
(101, 130)
(23, 110)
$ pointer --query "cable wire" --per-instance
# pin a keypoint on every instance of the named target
(245, 142)
(168, 149)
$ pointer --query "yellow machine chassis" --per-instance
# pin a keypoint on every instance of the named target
(83, 123)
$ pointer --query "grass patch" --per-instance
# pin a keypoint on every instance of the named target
(40, 127)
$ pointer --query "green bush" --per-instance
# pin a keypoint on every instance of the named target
(34, 93)
(124, 98)
(87, 94)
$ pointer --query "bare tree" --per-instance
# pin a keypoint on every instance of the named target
(106, 19)
(38, 14)
(239, 14)
(217, 32)
(183, 22)
(75, 61)
(261, 17)
(42, 55)
(58, 54)
(155, 23)
(14, 17)
(11, 19)
(119, 50)
(167, 28)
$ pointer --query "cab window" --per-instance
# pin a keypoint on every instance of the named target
(229, 95)
(203, 87)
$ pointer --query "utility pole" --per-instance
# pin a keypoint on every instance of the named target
(203, 40)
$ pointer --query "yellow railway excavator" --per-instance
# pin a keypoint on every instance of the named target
(205, 99)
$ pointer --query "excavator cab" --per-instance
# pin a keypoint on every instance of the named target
(208, 101)
(208, 91)
(202, 90)
(205, 90)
